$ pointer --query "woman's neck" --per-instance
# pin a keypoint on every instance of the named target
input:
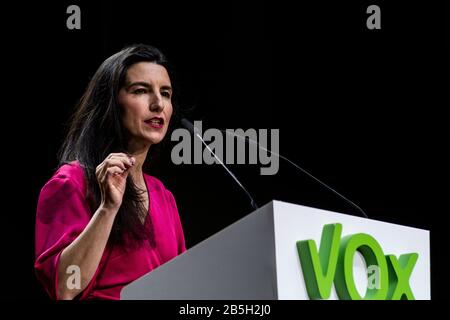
(139, 154)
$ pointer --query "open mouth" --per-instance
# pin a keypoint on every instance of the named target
(155, 122)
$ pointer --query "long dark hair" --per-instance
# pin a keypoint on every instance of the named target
(96, 131)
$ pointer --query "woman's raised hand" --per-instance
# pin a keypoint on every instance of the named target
(112, 175)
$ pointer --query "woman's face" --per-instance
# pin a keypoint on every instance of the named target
(146, 101)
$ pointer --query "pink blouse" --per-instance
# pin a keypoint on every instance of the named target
(63, 213)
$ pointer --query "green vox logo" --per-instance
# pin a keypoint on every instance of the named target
(334, 263)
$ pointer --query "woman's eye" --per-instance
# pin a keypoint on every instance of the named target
(139, 91)
(166, 94)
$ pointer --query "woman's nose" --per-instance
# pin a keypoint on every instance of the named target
(156, 104)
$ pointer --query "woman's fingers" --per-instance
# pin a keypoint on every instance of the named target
(119, 155)
(115, 154)
(111, 175)
(122, 157)
(114, 170)
(120, 160)
(115, 162)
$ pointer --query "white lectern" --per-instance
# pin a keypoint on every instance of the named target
(288, 251)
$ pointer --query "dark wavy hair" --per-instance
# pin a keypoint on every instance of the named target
(96, 130)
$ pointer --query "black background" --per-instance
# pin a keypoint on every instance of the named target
(364, 110)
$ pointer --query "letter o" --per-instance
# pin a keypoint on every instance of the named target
(373, 255)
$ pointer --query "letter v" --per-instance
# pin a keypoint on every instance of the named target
(319, 267)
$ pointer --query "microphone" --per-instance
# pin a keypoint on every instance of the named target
(302, 170)
(188, 125)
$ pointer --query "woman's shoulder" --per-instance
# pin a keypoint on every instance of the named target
(154, 184)
(70, 174)
(160, 193)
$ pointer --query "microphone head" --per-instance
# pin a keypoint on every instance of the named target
(188, 125)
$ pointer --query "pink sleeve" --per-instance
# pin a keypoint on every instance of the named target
(62, 214)
(176, 219)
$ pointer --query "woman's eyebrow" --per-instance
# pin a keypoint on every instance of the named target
(139, 83)
(147, 85)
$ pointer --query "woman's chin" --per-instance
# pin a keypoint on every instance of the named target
(154, 138)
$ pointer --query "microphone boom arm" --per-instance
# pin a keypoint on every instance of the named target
(252, 201)
(301, 169)
(188, 125)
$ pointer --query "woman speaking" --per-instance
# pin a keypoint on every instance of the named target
(102, 222)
